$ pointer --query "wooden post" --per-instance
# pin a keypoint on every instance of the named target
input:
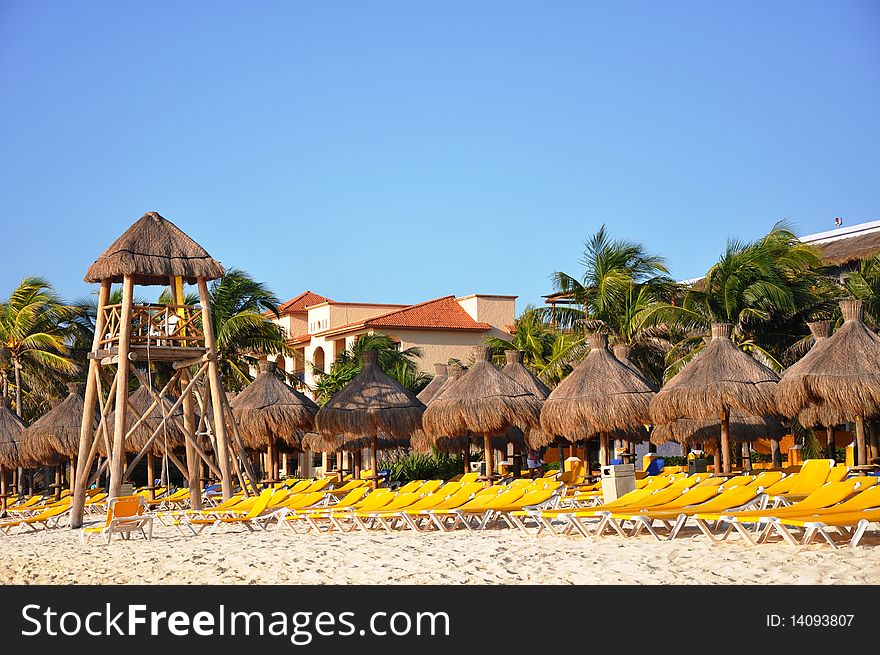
(193, 463)
(604, 447)
(466, 456)
(725, 442)
(357, 464)
(374, 447)
(86, 432)
(716, 457)
(873, 450)
(59, 480)
(269, 469)
(117, 460)
(775, 453)
(216, 391)
(746, 457)
(2, 488)
(860, 458)
(489, 455)
(830, 446)
(151, 476)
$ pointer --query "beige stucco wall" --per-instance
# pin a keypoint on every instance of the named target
(439, 346)
(333, 315)
(494, 310)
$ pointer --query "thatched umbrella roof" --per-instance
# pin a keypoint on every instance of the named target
(600, 395)
(372, 404)
(720, 379)
(514, 367)
(11, 428)
(267, 410)
(527, 380)
(172, 433)
(316, 443)
(484, 401)
(422, 443)
(622, 353)
(742, 429)
(843, 375)
(152, 251)
(55, 433)
(427, 394)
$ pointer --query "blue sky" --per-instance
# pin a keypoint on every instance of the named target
(400, 151)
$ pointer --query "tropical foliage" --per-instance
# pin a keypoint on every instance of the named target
(399, 364)
(37, 330)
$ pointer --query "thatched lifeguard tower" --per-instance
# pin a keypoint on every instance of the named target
(155, 252)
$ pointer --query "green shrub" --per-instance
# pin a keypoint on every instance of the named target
(418, 466)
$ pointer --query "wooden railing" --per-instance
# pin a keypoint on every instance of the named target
(174, 326)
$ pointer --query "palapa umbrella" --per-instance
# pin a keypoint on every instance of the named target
(11, 428)
(422, 443)
(534, 437)
(372, 405)
(817, 414)
(844, 375)
(719, 380)
(268, 412)
(171, 435)
(485, 402)
(427, 394)
(54, 435)
(600, 396)
(743, 429)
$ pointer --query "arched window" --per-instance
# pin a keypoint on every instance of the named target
(318, 359)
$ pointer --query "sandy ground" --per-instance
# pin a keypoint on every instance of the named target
(497, 557)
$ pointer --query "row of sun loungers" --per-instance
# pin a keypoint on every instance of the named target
(818, 501)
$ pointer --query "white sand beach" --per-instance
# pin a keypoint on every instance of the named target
(493, 557)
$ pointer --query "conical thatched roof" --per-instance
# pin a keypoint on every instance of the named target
(527, 380)
(316, 443)
(11, 428)
(514, 367)
(268, 409)
(600, 395)
(153, 250)
(421, 442)
(742, 429)
(55, 433)
(141, 400)
(483, 401)
(720, 378)
(622, 353)
(371, 404)
(821, 414)
(843, 375)
(427, 394)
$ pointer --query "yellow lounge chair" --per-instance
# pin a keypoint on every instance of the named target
(826, 496)
(674, 519)
(47, 519)
(841, 516)
(125, 514)
(255, 517)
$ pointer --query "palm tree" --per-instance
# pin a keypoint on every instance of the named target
(621, 279)
(864, 284)
(239, 308)
(35, 337)
(767, 289)
(399, 364)
(546, 350)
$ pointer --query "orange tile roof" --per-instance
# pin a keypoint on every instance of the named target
(299, 304)
(440, 314)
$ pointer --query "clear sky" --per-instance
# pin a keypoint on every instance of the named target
(401, 151)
